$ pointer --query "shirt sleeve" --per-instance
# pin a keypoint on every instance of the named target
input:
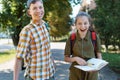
(67, 47)
(24, 43)
(98, 44)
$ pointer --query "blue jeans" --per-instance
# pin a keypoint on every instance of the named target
(29, 78)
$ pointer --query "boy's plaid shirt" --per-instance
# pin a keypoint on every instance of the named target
(34, 47)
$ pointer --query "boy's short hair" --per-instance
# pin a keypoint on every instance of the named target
(29, 2)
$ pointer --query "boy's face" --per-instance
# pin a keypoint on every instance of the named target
(82, 24)
(36, 10)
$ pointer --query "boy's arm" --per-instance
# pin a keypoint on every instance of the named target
(53, 62)
(17, 68)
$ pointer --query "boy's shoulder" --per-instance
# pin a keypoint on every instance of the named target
(28, 27)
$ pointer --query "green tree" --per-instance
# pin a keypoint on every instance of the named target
(57, 14)
(107, 21)
(13, 16)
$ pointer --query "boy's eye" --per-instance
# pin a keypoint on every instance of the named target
(34, 8)
(40, 7)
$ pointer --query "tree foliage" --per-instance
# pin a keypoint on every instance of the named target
(107, 21)
(13, 17)
(57, 14)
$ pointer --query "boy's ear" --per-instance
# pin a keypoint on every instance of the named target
(28, 13)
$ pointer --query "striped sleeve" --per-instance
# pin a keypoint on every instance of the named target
(24, 42)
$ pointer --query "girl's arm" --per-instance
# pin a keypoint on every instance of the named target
(79, 60)
(99, 56)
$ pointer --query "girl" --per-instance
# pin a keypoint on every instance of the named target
(83, 48)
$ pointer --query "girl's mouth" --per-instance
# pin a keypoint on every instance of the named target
(83, 30)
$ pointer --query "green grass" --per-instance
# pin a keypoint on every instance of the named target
(6, 56)
(59, 39)
(113, 59)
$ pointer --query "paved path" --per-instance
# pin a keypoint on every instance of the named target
(62, 71)
(5, 44)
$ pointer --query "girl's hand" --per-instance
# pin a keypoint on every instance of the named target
(80, 61)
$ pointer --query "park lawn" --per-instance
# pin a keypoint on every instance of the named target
(7, 55)
(113, 59)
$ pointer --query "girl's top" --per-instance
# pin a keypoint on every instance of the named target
(82, 47)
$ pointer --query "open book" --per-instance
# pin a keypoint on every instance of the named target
(93, 65)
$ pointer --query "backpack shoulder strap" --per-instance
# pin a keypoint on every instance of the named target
(47, 26)
(72, 41)
(94, 42)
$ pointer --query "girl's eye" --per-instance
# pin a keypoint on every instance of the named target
(79, 23)
(85, 23)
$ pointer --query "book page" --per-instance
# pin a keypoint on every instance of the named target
(93, 64)
(97, 63)
(85, 68)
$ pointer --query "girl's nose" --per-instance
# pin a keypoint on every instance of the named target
(82, 26)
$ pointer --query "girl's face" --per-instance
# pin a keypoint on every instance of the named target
(82, 24)
(36, 10)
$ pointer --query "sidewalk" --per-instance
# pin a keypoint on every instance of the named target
(62, 68)
(5, 44)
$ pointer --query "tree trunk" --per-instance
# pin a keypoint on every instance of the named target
(15, 39)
